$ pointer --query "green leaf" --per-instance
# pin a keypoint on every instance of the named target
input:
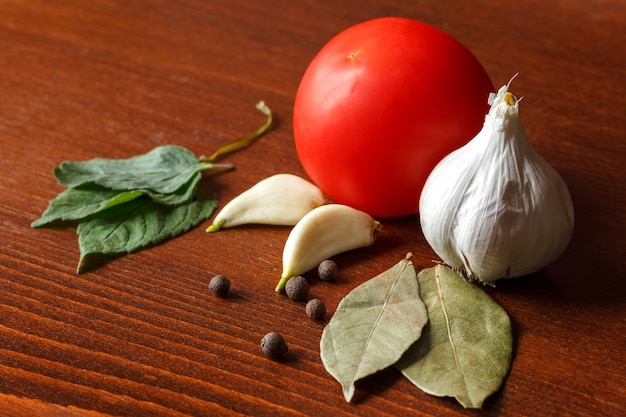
(373, 326)
(182, 195)
(78, 203)
(466, 349)
(164, 169)
(86, 200)
(123, 205)
(136, 225)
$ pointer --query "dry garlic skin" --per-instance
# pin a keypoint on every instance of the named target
(495, 208)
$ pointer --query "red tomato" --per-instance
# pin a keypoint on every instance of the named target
(380, 105)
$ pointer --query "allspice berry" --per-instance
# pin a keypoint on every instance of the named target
(273, 345)
(297, 288)
(316, 309)
(219, 285)
(328, 270)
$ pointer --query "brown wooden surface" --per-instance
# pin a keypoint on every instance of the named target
(142, 336)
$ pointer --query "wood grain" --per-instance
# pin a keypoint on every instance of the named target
(142, 336)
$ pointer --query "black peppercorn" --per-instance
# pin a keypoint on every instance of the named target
(297, 288)
(219, 285)
(327, 270)
(316, 309)
(273, 345)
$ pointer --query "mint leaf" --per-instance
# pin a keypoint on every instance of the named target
(78, 203)
(86, 200)
(164, 169)
(136, 225)
(123, 205)
(182, 195)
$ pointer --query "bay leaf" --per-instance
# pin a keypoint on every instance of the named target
(164, 169)
(373, 326)
(466, 349)
(136, 225)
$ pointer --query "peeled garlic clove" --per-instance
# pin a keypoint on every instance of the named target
(322, 233)
(495, 208)
(281, 199)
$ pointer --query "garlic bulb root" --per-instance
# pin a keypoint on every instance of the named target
(282, 199)
(495, 208)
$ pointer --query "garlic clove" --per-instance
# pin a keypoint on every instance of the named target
(322, 233)
(282, 199)
(495, 208)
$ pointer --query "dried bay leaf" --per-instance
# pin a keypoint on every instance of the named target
(373, 326)
(137, 224)
(466, 349)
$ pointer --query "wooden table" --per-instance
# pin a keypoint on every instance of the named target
(142, 335)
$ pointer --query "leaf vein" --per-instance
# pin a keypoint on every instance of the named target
(449, 329)
(378, 318)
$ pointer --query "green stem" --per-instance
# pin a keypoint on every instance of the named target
(281, 284)
(214, 227)
(246, 140)
(224, 166)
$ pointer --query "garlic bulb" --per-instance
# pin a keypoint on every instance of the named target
(495, 208)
